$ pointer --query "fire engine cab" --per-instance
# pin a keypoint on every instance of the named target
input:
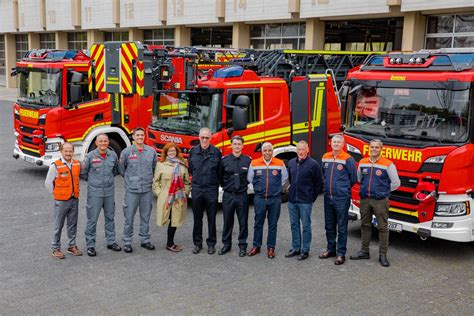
(421, 106)
(63, 96)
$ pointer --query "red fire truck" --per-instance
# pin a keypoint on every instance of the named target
(421, 106)
(277, 96)
(64, 96)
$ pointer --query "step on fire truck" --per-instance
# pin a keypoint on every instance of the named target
(278, 96)
(421, 106)
(64, 96)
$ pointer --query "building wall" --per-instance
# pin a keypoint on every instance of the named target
(421, 5)
(256, 10)
(31, 15)
(181, 12)
(333, 8)
(60, 15)
(98, 14)
(8, 16)
(141, 13)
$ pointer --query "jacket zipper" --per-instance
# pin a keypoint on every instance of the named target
(297, 173)
(370, 180)
(266, 186)
(330, 178)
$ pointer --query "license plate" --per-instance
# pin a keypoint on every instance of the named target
(28, 159)
(396, 227)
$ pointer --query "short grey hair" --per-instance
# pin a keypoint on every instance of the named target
(376, 141)
(204, 129)
(338, 136)
(303, 142)
(267, 144)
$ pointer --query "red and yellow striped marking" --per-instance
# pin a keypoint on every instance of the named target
(98, 55)
(140, 78)
(129, 52)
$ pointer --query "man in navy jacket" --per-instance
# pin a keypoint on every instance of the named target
(305, 186)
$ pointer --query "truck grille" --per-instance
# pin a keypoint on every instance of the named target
(403, 217)
(28, 140)
(408, 182)
(26, 129)
(403, 197)
(29, 152)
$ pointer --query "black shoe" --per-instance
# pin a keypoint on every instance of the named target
(243, 252)
(224, 250)
(148, 246)
(127, 248)
(360, 255)
(197, 249)
(383, 261)
(211, 250)
(292, 253)
(304, 255)
(91, 252)
(114, 247)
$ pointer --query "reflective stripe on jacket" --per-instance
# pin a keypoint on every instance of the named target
(340, 174)
(66, 184)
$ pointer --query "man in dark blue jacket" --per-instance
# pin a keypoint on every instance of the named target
(305, 186)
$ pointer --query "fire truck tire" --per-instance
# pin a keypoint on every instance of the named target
(113, 145)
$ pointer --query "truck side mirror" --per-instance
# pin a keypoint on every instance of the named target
(75, 93)
(75, 76)
(239, 118)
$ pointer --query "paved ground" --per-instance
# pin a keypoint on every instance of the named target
(431, 277)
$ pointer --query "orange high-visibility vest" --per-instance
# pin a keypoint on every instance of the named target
(66, 184)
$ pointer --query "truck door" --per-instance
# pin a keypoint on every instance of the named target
(83, 109)
(254, 134)
(308, 100)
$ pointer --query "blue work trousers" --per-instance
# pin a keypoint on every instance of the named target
(336, 216)
(266, 208)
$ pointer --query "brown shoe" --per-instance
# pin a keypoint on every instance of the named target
(326, 255)
(57, 254)
(73, 250)
(340, 260)
(253, 251)
(271, 253)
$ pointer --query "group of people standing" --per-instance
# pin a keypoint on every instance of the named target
(169, 179)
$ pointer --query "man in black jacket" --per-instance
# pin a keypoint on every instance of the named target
(305, 186)
(204, 162)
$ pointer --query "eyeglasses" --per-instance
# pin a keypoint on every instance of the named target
(204, 137)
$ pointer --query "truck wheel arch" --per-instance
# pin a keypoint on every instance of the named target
(118, 138)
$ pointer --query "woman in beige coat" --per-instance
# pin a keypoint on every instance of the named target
(171, 185)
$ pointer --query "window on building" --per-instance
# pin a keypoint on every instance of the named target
(450, 31)
(211, 36)
(274, 36)
(116, 36)
(21, 45)
(77, 40)
(253, 111)
(163, 36)
(47, 41)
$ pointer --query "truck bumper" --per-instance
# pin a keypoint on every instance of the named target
(45, 160)
(459, 229)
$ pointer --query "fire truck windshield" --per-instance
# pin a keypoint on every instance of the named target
(435, 114)
(38, 87)
(187, 112)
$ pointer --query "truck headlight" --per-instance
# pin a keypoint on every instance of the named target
(436, 159)
(452, 209)
(52, 146)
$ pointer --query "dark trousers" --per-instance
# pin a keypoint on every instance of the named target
(269, 208)
(336, 217)
(379, 208)
(235, 204)
(204, 201)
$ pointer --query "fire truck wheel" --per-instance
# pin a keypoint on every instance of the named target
(113, 145)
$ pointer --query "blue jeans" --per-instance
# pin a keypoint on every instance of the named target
(269, 208)
(300, 212)
(336, 216)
